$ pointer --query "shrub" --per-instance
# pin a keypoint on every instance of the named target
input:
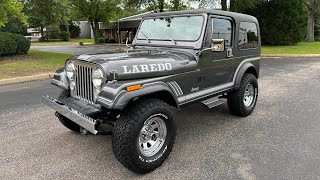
(54, 35)
(74, 30)
(11, 44)
(23, 44)
(64, 36)
(103, 40)
(44, 38)
(111, 40)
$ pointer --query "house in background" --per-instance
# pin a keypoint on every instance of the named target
(128, 27)
(86, 31)
(34, 34)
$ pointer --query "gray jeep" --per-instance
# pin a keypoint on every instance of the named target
(176, 59)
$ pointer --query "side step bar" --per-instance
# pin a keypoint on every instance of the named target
(213, 102)
(81, 119)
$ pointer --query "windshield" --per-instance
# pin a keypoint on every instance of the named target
(187, 28)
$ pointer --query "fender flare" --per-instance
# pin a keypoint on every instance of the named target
(147, 89)
(242, 70)
(60, 79)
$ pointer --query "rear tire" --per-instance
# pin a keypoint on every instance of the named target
(144, 135)
(65, 121)
(242, 102)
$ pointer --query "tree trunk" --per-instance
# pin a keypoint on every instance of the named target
(224, 5)
(67, 28)
(95, 28)
(41, 31)
(161, 5)
(232, 5)
(311, 22)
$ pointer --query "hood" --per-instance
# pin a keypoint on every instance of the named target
(141, 64)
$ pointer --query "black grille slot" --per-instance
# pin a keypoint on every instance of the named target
(83, 79)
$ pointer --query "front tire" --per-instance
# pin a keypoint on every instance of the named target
(144, 135)
(242, 102)
(65, 121)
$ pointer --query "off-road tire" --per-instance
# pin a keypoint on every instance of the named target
(235, 98)
(127, 130)
(65, 121)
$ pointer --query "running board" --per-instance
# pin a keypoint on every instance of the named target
(213, 102)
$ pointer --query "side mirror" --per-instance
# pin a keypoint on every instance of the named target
(217, 45)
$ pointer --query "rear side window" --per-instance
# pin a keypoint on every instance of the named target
(222, 29)
(248, 35)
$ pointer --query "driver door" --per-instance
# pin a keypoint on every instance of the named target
(217, 66)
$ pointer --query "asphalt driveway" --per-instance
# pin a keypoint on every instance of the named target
(280, 140)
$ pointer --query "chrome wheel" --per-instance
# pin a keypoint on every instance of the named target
(152, 135)
(248, 98)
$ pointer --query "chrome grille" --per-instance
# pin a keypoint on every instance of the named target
(83, 80)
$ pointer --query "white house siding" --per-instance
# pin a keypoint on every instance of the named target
(86, 30)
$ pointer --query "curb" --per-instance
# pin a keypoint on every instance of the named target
(291, 56)
(25, 79)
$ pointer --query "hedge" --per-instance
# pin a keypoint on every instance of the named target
(12, 44)
(106, 40)
(62, 35)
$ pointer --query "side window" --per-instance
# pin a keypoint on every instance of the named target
(248, 35)
(222, 29)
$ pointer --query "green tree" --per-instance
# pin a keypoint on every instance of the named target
(96, 11)
(207, 3)
(11, 9)
(14, 25)
(235, 5)
(176, 5)
(282, 22)
(317, 29)
(45, 13)
(150, 5)
(313, 7)
(243, 5)
(159, 5)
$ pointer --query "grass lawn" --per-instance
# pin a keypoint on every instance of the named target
(300, 48)
(35, 62)
(72, 41)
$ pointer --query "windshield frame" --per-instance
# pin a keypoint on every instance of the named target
(178, 15)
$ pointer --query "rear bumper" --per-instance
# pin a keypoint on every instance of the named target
(72, 114)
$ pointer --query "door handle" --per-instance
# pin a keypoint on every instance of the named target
(229, 53)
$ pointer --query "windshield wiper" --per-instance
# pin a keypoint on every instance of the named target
(145, 37)
(175, 42)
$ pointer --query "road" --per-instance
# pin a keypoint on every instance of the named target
(280, 140)
(77, 49)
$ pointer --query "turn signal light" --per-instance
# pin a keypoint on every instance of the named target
(134, 87)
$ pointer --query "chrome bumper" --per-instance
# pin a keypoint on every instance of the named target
(72, 114)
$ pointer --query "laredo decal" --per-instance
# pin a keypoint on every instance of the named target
(147, 68)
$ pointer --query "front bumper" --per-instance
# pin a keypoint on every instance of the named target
(81, 119)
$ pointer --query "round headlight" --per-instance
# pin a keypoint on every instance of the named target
(97, 78)
(70, 69)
